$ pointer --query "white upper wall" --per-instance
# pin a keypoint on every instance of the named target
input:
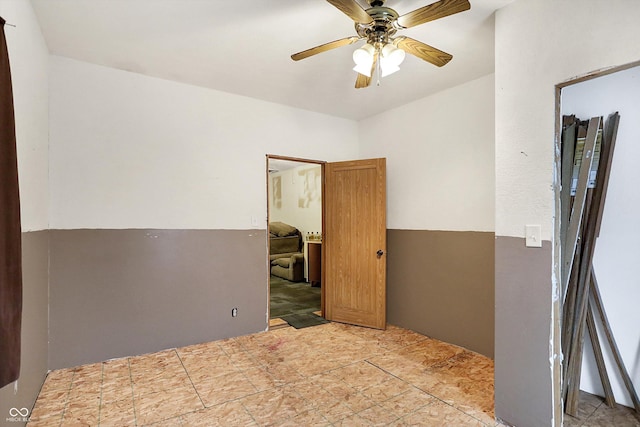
(617, 249)
(440, 159)
(28, 57)
(540, 44)
(131, 151)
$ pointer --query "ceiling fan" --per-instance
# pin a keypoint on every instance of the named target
(383, 51)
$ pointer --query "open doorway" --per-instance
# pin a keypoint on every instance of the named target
(604, 375)
(294, 191)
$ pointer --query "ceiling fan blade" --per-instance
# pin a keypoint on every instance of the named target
(353, 10)
(324, 47)
(432, 12)
(363, 81)
(423, 51)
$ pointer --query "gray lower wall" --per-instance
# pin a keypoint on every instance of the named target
(116, 293)
(441, 284)
(33, 364)
(523, 384)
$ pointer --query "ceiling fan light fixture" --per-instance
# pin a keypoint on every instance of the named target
(392, 54)
(387, 68)
(378, 24)
(364, 55)
(364, 69)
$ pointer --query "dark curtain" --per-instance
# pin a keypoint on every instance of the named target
(10, 232)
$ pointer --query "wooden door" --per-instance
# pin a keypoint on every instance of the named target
(354, 251)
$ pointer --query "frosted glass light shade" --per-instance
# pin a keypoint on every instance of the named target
(364, 54)
(392, 54)
(363, 57)
(386, 68)
(364, 68)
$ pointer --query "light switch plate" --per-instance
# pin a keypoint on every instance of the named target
(533, 236)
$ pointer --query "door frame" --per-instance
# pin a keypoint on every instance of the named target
(322, 190)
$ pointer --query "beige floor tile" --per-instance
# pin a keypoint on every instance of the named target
(118, 413)
(81, 414)
(50, 404)
(283, 373)
(224, 388)
(215, 361)
(361, 375)
(275, 405)
(378, 416)
(438, 414)
(465, 382)
(234, 345)
(243, 360)
(408, 402)
(165, 361)
(117, 388)
(332, 374)
(91, 372)
(161, 382)
(353, 420)
(58, 379)
(357, 402)
(429, 352)
(226, 414)
(316, 375)
(87, 394)
(313, 391)
(337, 388)
(167, 422)
(261, 379)
(45, 422)
(386, 390)
(151, 408)
(116, 367)
(335, 411)
(314, 365)
(310, 418)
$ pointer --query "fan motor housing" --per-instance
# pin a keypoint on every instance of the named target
(382, 26)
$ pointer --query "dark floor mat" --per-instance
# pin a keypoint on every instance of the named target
(304, 320)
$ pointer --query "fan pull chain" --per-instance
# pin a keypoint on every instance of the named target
(378, 68)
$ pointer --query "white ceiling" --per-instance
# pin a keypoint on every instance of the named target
(244, 47)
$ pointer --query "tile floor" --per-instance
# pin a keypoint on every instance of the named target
(327, 375)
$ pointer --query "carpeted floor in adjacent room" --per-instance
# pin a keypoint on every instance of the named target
(292, 297)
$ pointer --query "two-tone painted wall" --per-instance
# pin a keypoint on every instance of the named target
(155, 186)
(440, 220)
(539, 44)
(28, 56)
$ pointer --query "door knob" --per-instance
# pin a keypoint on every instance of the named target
(380, 253)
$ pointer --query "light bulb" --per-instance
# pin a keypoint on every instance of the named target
(392, 54)
(364, 55)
